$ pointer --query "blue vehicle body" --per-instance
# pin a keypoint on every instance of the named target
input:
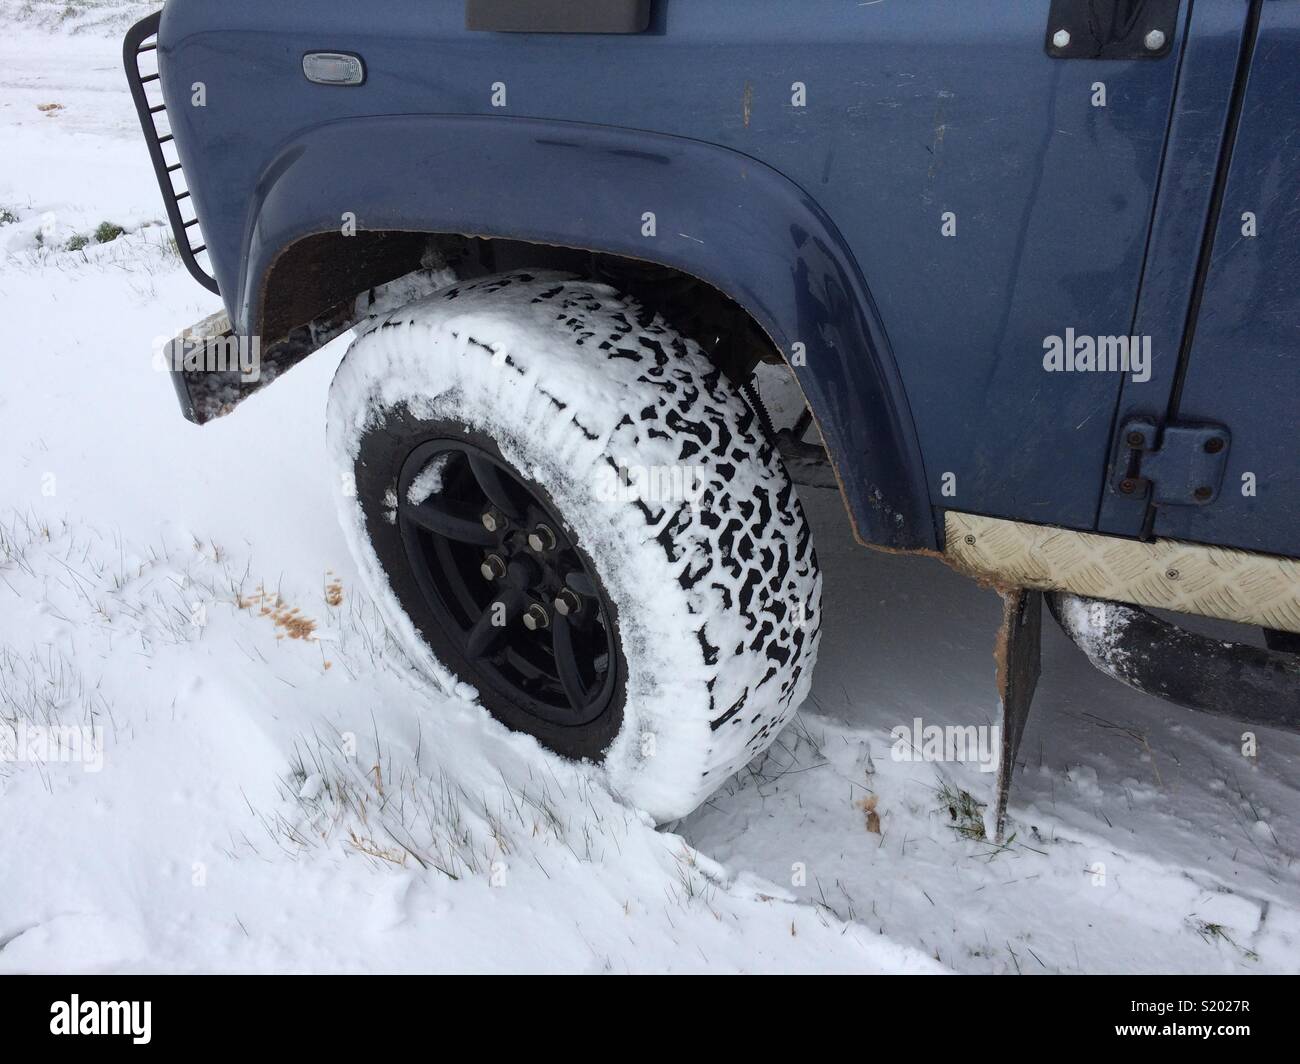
(907, 198)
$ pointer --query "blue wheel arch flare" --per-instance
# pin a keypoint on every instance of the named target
(719, 215)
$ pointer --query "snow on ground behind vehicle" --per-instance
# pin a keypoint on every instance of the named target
(278, 792)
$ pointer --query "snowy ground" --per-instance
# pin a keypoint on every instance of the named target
(274, 790)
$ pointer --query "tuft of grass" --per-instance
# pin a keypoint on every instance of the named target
(696, 885)
(965, 814)
(77, 242)
(7, 217)
(107, 232)
(394, 817)
(1210, 931)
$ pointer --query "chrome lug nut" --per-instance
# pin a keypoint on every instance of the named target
(1154, 41)
(541, 538)
(536, 618)
(491, 522)
(493, 567)
(567, 603)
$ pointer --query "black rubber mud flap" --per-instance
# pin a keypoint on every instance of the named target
(1019, 660)
(558, 16)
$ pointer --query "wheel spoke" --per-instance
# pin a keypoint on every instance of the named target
(453, 520)
(566, 663)
(493, 484)
(581, 583)
(486, 637)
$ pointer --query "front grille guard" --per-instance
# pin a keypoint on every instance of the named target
(141, 41)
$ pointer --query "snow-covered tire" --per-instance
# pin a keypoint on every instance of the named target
(712, 585)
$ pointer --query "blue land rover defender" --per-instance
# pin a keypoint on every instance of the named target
(1031, 267)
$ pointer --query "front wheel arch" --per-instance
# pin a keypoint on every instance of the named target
(721, 216)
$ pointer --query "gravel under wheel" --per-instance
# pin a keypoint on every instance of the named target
(562, 502)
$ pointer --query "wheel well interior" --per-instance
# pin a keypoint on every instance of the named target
(320, 276)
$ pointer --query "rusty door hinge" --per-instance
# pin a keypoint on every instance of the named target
(1179, 465)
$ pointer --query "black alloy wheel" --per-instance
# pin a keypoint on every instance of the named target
(505, 583)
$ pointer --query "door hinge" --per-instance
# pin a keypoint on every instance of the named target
(1179, 465)
(1111, 29)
